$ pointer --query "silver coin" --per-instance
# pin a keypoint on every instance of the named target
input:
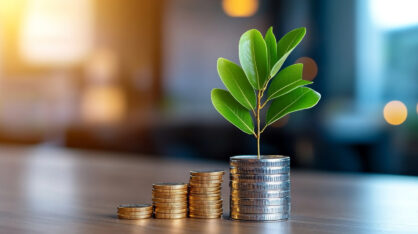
(260, 209)
(261, 201)
(261, 186)
(260, 170)
(259, 194)
(259, 178)
(250, 161)
(260, 217)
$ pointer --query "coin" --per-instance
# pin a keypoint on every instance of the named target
(206, 172)
(216, 201)
(200, 185)
(134, 207)
(170, 186)
(259, 194)
(170, 216)
(194, 181)
(205, 206)
(264, 161)
(135, 212)
(171, 204)
(169, 200)
(261, 201)
(260, 186)
(204, 198)
(260, 217)
(170, 211)
(203, 178)
(167, 195)
(260, 209)
(215, 216)
(259, 178)
(135, 217)
(170, 192)
(260, 170)
(205, 190)
(203, 194)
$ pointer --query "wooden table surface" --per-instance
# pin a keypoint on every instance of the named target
(46, 190)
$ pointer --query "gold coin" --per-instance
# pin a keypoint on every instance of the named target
(206, 213)
(168, 196)
(147, 216)
(205, 190)
(217, 211)
(170, 216)
(200, 178)
(125, 212)
(203, 207)
(170, 191)
(215, 216)
(170, 211)
(206, 172)
(205, 197)
(170, 186)
(174, 199)
(209, 202)
(134, 207)
(170, 204)
(192, 182)
(201, 185)
(215, 192)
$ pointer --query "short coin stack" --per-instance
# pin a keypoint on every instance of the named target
(170, 200)
(135, 211)
(260, 188)
(205, 200)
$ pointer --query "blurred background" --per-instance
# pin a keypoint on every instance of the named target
(135, 76)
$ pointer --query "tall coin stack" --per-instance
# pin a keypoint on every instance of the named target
(205, 200)
(260, 188)
(169, 200)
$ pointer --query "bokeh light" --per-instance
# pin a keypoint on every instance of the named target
(240, 8)
(310, 68)
(395, 112)
(103, 105)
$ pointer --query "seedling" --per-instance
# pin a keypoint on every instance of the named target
(261, 60)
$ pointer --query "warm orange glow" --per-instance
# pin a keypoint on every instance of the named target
(103, 105)
(310, 69)
(240, 8)
(395, 112)
(56, 32)
(102, 66)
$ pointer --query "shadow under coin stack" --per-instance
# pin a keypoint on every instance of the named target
(260, 188)
(135, 211)
(169, 200)
(205, 200)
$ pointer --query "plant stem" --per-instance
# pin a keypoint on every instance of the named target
(258, 122)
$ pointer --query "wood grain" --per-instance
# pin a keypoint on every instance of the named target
(46, 190)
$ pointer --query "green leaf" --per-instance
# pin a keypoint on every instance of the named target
(287, 80)
(236, 82)
(271, 47)
(232, 111)
(298, 99)
(285, 46)
(253, 58)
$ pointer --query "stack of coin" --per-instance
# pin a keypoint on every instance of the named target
(135, 211)
(260, 188)
(170, 200)
(205, 200)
